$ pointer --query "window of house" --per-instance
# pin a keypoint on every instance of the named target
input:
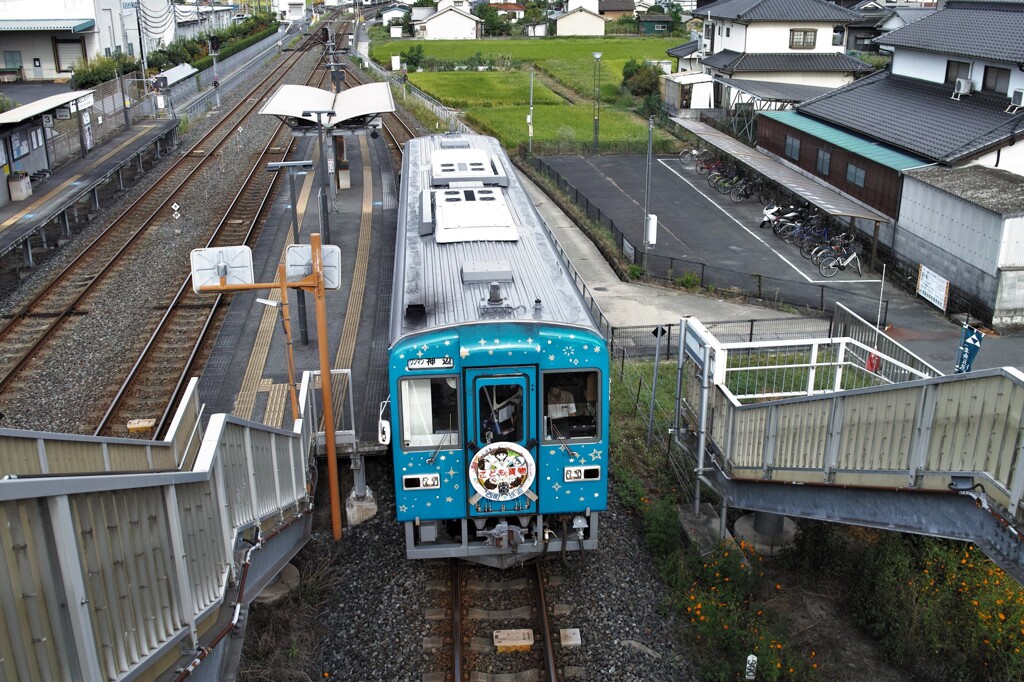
(727, 30)
(660, 27)
(571, 406)
(792, 147)
(838, 35)
(719, 30)
(855, 174)
(996, 80)
(801, 39)
(430, 412)
(955, 69)
(824, 160)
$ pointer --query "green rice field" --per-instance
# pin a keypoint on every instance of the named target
(497, 102)
(466, 89)
(568, 60)
(565, 124)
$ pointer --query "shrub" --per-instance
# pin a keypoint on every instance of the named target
(6, 103)
(635, 271)
(688, 280)
(100, 70)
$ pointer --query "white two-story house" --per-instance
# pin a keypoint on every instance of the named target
(750, 46)
(933, 142)
(452, 20)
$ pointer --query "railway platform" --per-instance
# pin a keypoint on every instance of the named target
(72, 192)
(247, 373)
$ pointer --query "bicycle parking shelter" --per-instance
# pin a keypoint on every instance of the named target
(827, 200)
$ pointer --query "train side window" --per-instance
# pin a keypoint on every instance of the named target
(571, 406)
(430, 412)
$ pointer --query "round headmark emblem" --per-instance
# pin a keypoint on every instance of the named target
(502, 471)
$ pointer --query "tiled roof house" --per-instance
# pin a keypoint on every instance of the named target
(952, 103)
(798, 42)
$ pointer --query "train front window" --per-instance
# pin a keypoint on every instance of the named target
(430, 412)
(501, 412)
(571, 406)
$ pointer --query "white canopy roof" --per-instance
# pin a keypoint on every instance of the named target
(349, 105)
(41, 106)
(178, 73)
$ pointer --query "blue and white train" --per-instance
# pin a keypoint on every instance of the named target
(498, 372)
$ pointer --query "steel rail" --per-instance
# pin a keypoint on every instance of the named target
(549, 648)
(151, 353)
(81, 262)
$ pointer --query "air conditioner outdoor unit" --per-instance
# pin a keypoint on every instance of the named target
(1016, 102)
(961, 87)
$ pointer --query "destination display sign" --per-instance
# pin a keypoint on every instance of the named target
(430, 363)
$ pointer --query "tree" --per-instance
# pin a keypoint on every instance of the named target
(640, 78)
(494, 24)
(413, 57)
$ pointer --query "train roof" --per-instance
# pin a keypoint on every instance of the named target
(471, 246)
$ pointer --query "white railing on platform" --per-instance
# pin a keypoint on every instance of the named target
(108, 577)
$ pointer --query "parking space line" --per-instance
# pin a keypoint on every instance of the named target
(756, 236)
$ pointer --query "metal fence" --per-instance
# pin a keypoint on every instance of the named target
(814, 297)
(640, 341)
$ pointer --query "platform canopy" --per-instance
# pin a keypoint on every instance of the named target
(353, 107)
(41, 106)
(178, 73)
(73, 25)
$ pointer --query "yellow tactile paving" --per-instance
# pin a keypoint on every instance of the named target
(354, 309)
(245, 401)
(46, 198)
(277, 403)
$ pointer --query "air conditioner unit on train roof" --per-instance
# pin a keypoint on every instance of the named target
(1017, 98)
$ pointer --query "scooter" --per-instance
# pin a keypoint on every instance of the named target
(776, 215)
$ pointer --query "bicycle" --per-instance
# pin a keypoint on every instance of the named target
(724, 185)
(725, 170)
(706, 166)
(835, 246)
(833, 264)
(749, 188)
(691, 157)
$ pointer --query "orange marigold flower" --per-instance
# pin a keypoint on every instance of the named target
(778, 586)
(725, 626)
(814, 665)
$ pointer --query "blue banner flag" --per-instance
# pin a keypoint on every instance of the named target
(970, 344)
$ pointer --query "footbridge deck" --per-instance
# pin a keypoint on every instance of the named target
(860, 432)
(125, 559)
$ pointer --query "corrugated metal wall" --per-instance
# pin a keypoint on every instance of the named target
(101, 575)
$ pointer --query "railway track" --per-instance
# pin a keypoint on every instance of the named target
(498, 627)
(176, 348)
(74, 290)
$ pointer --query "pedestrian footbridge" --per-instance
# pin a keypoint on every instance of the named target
(856, 429)
(125, 559)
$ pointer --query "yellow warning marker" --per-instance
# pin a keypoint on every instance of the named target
(137, 425)
(508, 641)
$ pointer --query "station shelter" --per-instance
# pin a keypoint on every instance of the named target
(29, 134)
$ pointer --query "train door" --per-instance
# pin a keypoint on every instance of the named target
(501, 440)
